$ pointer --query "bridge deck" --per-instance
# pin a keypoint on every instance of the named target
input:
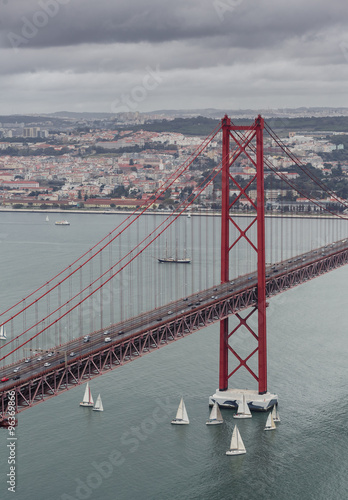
(77, 361)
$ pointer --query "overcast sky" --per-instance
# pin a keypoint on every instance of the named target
(142, 55)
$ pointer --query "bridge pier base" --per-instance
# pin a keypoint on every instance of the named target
(256, 401)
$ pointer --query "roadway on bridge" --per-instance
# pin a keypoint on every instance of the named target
(70, 352)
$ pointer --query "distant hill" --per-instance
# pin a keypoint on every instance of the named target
(84, 115)
(302, 112)
(192, 123)
(203, 126)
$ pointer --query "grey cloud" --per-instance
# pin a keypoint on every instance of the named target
(258, 53)
(244, 24)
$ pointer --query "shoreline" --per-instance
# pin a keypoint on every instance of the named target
(166, 213)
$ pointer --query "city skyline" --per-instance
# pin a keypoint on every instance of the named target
(80, 56)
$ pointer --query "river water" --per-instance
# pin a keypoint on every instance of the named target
(131, 452)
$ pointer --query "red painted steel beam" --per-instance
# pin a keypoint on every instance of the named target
(223, 367)
(261, 258)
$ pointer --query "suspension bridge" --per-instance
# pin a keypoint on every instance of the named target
(130, 294)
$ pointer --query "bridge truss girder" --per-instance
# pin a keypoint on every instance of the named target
(37, 389)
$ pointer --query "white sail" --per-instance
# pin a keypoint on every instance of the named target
(270, 425)
(181, 414)
(275, 414)
(47, 219)
(98, 404)
(3, 335)
(243, 409)
(237, 446)
(215, 415)
(87, 397)
(184, 412)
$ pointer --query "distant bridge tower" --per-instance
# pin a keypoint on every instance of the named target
(247, 140)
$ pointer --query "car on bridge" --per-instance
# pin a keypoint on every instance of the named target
(47, 364)
(4, 379)
(107, 339)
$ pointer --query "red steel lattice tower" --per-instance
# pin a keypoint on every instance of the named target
(248, 140)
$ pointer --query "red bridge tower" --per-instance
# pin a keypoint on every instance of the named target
(247, 140)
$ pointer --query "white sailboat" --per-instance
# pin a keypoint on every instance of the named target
(270, 425)
(275, 414)
(3, 335)
(47, 218)
(98, 404)
(87, 398)
(243, 409)
(237, 446)
(181, 414)
(215, 416)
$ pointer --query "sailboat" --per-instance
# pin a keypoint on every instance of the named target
(215, 415)
(270, 425)
(243, 409)
(87, 398)
(181, 415)
(275, 414)
(237, 446)
(47, 218)
(98, 404)
(174, 260)
(3, 335)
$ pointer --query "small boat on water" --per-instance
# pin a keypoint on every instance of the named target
(215, 416)
(172, 260)
(3, 335)
(181, 415)
(47, 218)
(87, 398)
(237, 446)
(98, 404)
(275, 414)
(169, 259)
(270, 425)
(243, 409)
(62, 223)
